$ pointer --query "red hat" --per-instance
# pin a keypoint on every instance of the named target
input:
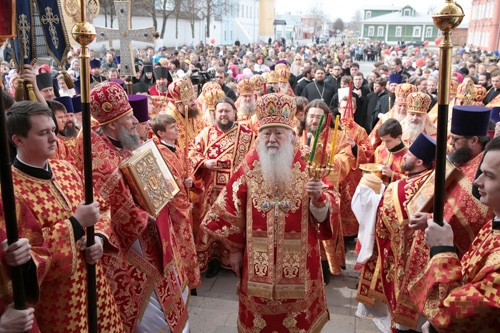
(181, 91)
(276, 110)
(108, 102)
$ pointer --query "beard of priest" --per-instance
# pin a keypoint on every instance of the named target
(192, 109)
(276, 156)
(123, 132)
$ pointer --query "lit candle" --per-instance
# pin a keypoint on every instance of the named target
(334, 141)
(313, 150)
(325, 140)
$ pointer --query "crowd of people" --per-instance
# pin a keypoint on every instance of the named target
(282, 154)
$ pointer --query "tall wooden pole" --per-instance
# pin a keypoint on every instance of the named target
(446, 18)
(83, 32)
(7, 30)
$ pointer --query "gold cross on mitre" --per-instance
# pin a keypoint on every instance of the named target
(125, 34)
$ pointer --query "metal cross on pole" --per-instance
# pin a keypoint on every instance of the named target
(125, 35)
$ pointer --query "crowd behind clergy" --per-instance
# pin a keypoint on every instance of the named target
(388, 120)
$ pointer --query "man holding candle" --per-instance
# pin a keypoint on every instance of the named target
(343, 161)
(272, 215)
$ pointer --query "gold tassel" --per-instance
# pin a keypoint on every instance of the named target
(67, 80)
(31, 93)
(19, 95)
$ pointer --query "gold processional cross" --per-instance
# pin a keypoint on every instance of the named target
(125, 35)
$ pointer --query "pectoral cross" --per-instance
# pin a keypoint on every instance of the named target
(284, 205)
(49, 18)
(125, 34)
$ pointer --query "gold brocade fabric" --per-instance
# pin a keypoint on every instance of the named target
(333, 249)
(249, 121)
(228, 148)
(393, 240)
(180, 214)
(134, 277)
(63, 290)
(462, 295)
(187, 130)
(464, 213)
(348, 186)
(281, 289)
(64, 152)
(393, 160)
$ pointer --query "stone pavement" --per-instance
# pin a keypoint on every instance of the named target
(215, 309)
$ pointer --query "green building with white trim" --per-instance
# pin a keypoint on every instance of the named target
(392, 24)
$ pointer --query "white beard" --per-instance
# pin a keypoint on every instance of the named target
(248, 109)
(399, 117)
(276, 164)
(411, 131)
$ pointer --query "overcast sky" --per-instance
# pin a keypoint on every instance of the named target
(345, 9)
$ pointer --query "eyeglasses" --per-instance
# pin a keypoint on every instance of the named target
(454, 138)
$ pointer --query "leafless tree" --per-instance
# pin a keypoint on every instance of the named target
(338, 25)
(194, 9)
(108, 10)
(356, 21)
(317, 13)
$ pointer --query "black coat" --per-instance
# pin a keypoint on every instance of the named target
(370, 108)
(314, 90)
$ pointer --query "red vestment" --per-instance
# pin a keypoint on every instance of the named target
(374, 137)
(348, 186)
(393, 159)
(61, 306)
(333, 249)
(134, 276)
(63, 152)
(28, 227)
(464, 213)
(249, 121)
(282, 287)
(180, 214)
(393, 239)
(230, 148)
(462, 295)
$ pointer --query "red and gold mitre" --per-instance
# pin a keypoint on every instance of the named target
(453, 87)
(181, 90)
(276, 110)
(246, 87)
(272, 77)
(418, 102)
(403, 90)
(479, 94)
(212, 96)
(465, 91)
(279, 66)
(108, 102)
(258, 82)
(283, 75)
(206, 87)
(210, 85)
